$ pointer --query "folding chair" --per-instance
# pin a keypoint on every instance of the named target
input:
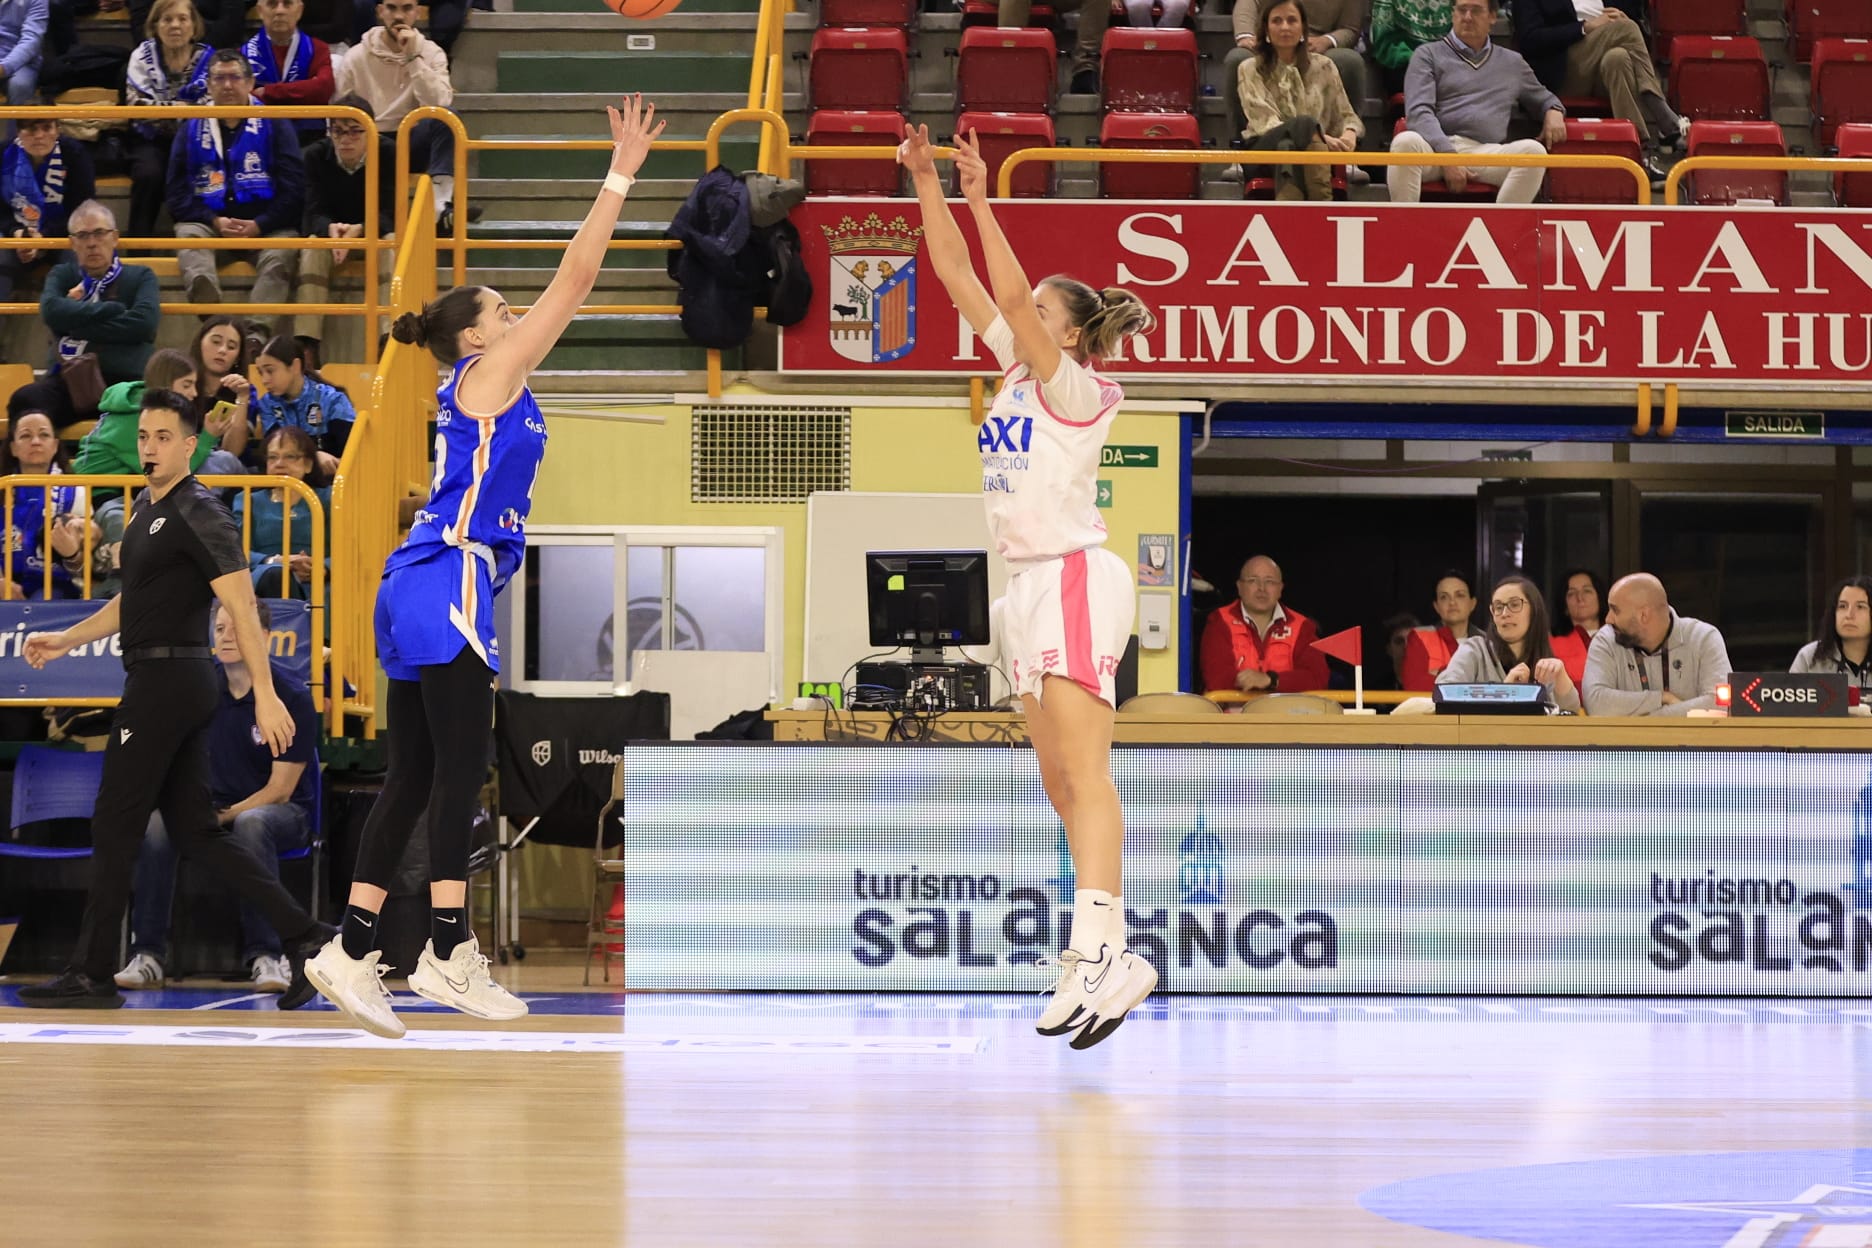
(1003, 134)
(1671, 18)
(601, 930)
(1149, 71)
(1148, 131)
(50, 783)
(1737, 138)
(1719, 78)
(859, 68)
(1612, 137)
(1006, 69)
(831, 127)
(1842, 86)
(1854, 190)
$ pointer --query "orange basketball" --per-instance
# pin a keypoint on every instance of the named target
(643, 9)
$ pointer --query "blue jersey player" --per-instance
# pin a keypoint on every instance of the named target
(435, 611)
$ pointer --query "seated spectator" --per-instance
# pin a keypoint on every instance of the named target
(265, 804)
(223, 350)
(111, 448)
(446, 20)
(1398, 29)
(22, 48)
(398, 70)
(1429, 650)
(236, 179)
(335, 177)
(169, 67)
(1648, 660)
(1332, 31)
(1256, 645)
(1175, 13)
(1598, 48)
(96, 304)
(223, 21)
(59, 514)
(295, 396)
(1515, 649)
(1397, 630)
(290, 66)
(42, 178)
(1584, 597)
(289, 453)
(1094, 17)
(1845, 644)
(1459, 96)
(1294, 102)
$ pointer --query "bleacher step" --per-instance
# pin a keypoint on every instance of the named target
(617, 70)
(588, 167)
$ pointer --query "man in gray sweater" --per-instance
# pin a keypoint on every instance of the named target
(1648, 660)
(1459, 95)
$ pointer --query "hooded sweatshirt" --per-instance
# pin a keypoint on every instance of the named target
(394, 84)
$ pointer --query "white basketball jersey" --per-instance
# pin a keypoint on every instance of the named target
(1040, 450)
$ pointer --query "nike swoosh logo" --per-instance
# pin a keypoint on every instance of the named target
(1091, 984)
(458, 985)
(367, 924)
(448, 920)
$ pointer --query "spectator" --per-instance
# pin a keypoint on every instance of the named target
(290, 66)
(111, 448)
(266, 804)
(289, 453)
(1515, 648)
(1399, 28)
(1597, 48)
(1255, 645)
(446, 20)
(222, 356)
(22, 48)
(96, 304)
(1584, 597)
(1459, 94)
(295, 396)
(42, 178)
(1332, 29)
(1294, 102)
(59, 513)
(223, 21)
(1397, 630)
(335, 177)
(1845, 638)
(236, 179)
(1094, 16)
(1429, 649)
(398, 69)
(169, 67)
(1175, 13)
(1648, 660)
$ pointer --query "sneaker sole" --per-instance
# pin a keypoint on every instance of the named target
(73, 1003)
(329, 991)
(139, 986)
(1074, 1021)
(444, 997)
(1101, 1027)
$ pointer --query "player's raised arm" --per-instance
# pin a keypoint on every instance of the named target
(948, 250)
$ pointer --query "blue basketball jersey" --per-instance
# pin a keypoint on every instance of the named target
(483, 485)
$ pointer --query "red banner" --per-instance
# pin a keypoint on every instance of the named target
(1357, 291)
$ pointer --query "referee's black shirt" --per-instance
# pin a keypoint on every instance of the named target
(172, 550)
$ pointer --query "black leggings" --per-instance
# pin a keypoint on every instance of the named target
(440, 725)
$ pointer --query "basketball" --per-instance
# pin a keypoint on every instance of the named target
(642, 8)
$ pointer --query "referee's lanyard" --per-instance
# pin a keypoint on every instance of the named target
(1644, 672)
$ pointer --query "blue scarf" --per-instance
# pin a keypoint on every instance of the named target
(71, 348)
(259, 53)
(37, 199)
(28, 536)
(210, 171)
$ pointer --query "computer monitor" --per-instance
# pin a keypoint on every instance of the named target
(927, 599)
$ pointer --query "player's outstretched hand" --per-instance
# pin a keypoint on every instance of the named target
(915, 152)
(972, 168)
(42, 648)
(632, 133)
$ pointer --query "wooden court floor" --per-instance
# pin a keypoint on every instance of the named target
(840, 1120)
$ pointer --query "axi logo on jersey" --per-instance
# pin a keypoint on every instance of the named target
(1005, 443)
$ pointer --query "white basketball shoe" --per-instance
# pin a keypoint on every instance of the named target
(462, 983)
(355, 985)
(1078, 986)
(1131, 980)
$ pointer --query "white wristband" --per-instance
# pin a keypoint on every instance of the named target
(621, 183)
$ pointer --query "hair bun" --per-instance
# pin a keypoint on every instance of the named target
(410, 328)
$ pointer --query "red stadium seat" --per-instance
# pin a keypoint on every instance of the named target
(1149, 71)
(864, 68)
(868, 13)
(988, 13)
(1613, 137)
(1267, 188)
(1719, 78)
(1737, 138)
(1842, 86)
(1671, 18)
(1810, 21)
(1006, 69)
(853, 129)
(1433, 190)
(1149, 130)
(1003, 134)
(1854, 190)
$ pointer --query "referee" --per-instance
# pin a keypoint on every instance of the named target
(181, 550)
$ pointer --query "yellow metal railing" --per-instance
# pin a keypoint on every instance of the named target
(370, 245)
(298, 490)
(1673, 183)
(385, 461)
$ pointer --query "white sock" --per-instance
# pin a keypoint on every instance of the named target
(1120, 935)
(1095, 918)
(444, 187)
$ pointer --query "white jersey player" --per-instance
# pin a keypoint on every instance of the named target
(1069, 600)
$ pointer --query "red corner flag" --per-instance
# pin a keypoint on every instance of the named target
(1347, 646)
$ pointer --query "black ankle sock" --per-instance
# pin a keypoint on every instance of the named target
(358, 932)
(448, 928)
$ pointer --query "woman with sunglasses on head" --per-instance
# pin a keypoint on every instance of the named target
(1515, 649)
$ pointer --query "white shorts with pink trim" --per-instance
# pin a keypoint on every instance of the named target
(1069, 617)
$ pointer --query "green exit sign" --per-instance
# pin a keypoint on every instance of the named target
(1128, 457)
(1104, 493)
(1775, 424)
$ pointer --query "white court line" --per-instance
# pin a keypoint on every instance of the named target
(251, 996)
(255, 1037)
